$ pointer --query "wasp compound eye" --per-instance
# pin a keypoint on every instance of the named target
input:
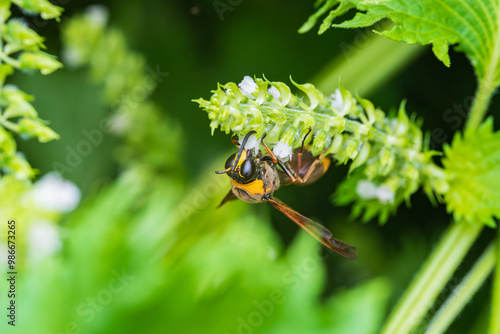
(229, 161)
(248, 169)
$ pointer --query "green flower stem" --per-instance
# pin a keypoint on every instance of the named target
(432, 277)
(495, 307)
(6, 59)
(10, 125)
(464, 292)
(481, 102)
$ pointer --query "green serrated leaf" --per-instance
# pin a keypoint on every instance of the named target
(473, 165)
(472, 25)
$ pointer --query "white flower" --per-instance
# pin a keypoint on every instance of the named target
(252, 143)
(337, 100)
(98, 15)
(274, 92)
(119, 123)
(366, 190)
(52, 193)
(43, 240)
(283, 151)
(72, 57)
(391, 140)
(248, 86)
(385, 195)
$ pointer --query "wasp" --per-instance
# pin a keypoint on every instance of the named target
(255, 178)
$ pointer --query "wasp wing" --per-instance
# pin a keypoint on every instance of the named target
(318, 231)
(229, 197)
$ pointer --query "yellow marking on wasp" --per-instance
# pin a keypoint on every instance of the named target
(254, 187)
(326, 163)
(242, 158)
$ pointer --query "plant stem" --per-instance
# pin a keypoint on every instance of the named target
(463, 292)
(481, 102)
(432, 277)
(495, 307)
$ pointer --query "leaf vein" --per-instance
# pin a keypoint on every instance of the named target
(468, 25)
(464, 38)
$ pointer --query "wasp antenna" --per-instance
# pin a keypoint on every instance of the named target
(242, 147)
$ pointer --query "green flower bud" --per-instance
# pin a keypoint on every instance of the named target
(17, 103)
(312, 93)
(369, 109)
(289, 137)
(336, 145)
(352, 148)
(4, 10)
(19, 37)
(284, 92)
(7, 143)
(321, 140)
(39, 61)
(43, 7)
(386, 161)
(5, 71)
(273, 136)
(371, 170)
(362, 157)
(18, 166)
(35, 128)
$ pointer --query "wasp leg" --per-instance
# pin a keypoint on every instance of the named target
(285, 166)
(271, 154)
(314, 171)
(234, 141)
(299, 160)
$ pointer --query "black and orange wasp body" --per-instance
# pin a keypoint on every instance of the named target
(255, 177)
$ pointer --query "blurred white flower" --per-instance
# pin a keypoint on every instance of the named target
(71, 57)
(119, 123)
(248, 86)
(283, 151)
(274, 92)
(385, 195)
(337, 100)
(43, 240)
(52, 193)
(98, 15)
(252, 143)
(366, 189)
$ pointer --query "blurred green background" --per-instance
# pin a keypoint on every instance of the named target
(184, 266)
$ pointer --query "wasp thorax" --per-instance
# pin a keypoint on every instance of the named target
(263, 183)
